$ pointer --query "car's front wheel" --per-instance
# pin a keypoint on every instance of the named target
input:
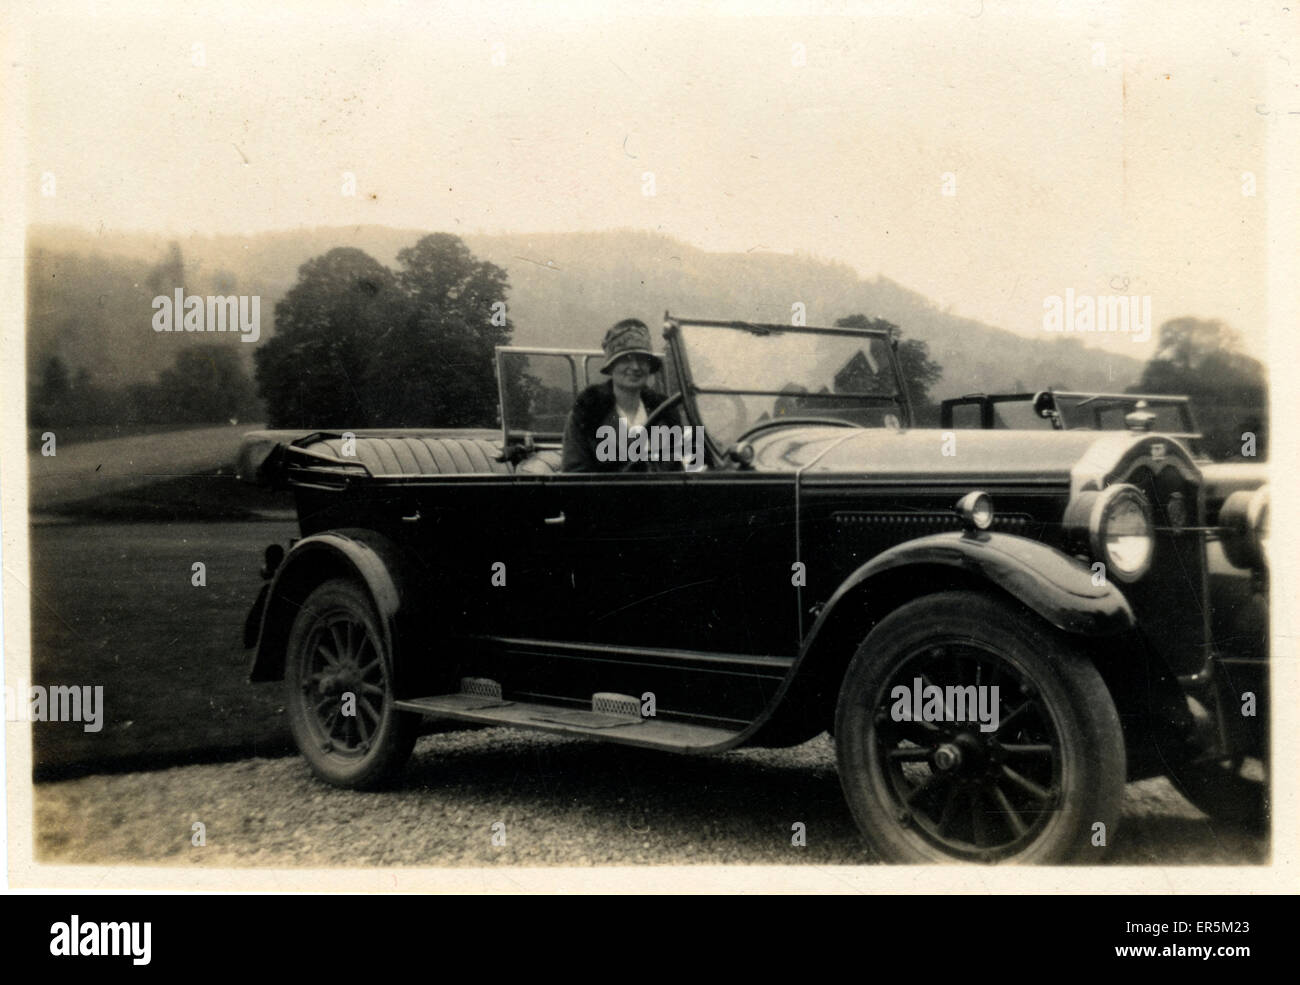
(340, 699)
(970, 731)
(1234, 791)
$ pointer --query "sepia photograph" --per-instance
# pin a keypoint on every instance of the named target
(752, 446)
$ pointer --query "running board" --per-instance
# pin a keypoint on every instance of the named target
(478, 705)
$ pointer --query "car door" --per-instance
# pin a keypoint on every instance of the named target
(492, 553)
(507, 536)
(675, 593)
(637, 568)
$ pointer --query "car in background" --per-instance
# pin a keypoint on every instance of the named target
(1063, 410)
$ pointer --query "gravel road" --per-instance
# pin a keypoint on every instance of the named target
(563, 801)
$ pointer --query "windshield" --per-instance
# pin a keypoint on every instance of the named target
(538, 387)
(1019, 415)
(1107, 413)
(743, 378)
(1097, 412)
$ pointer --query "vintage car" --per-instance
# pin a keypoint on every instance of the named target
(1063, 410)
(1237, 611)
(998, 628)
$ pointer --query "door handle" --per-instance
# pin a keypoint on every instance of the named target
(413, 518)
(554, 521)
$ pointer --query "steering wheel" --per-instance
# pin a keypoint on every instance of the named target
(671, 402)
(738, 408)
(658, 412)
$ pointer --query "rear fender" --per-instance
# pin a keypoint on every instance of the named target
(390, 575)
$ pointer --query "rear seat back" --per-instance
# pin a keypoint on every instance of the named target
(417, 454)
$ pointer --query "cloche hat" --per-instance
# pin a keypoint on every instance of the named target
(628, 337)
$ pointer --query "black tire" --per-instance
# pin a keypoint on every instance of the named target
(1227, 792)
(950, 791)
(335, 649)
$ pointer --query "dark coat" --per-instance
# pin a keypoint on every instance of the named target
(595, 408)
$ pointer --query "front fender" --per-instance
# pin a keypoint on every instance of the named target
(387, 572)
(1054, 585)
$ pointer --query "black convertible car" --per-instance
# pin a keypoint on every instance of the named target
(1064, 410)
(998, 627)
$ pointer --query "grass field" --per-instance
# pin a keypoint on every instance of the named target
(82, 433)
(84, 471)
(117, 525)
(210, 495)
(113, 605)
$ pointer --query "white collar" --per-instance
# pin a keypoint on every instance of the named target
(638, 418)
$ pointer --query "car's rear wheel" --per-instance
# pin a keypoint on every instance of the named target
(1030, 770)
(340, 700)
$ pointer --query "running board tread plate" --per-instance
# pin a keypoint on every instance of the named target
(651, 732)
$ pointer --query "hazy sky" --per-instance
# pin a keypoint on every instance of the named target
(1095, 148)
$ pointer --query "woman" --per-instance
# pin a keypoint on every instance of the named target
(629, 364)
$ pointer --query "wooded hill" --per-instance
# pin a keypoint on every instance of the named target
(90, 298)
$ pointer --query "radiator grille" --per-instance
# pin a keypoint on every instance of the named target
(925, 522)
(1173, 498)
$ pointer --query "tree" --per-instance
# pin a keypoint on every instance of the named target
(48, 400)
(313, 372)
(357, 345)
(1185, 344)
(54, 382)
(206, 383)
(1204, 360)
(169, 273)
(445, 344)
(920, 372)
